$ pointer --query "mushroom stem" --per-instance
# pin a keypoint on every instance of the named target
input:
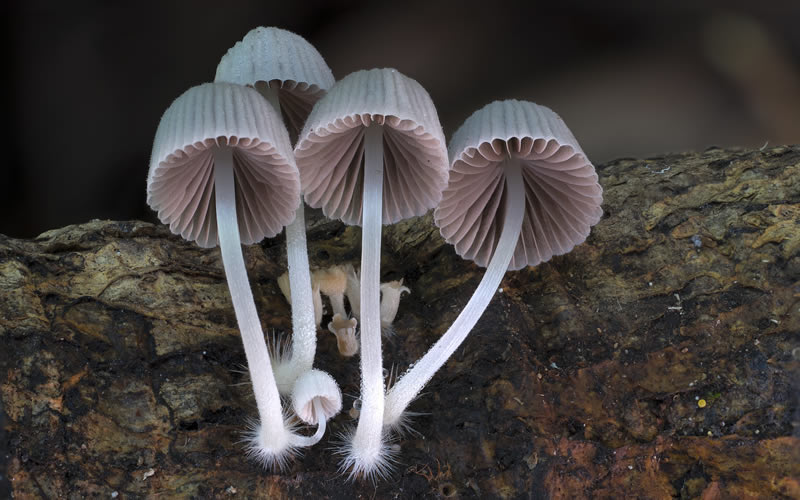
(266, 391)
(353, 290)
(337, 304)
(304, 328)
(305, 441)
(406, 389)
(367, 448)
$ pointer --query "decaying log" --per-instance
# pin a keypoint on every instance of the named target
(659, 359)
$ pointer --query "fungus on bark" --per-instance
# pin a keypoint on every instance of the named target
(222, 172)
(291, 75)
(316, 398)
(521, 190)
(372, 152)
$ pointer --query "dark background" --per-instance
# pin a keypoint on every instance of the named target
(88, 81)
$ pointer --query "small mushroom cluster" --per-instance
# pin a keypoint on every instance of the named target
(233, 161)
(336, 283)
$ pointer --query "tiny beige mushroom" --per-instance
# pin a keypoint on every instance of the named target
(333, 283)
(345, 331)
(390, 302)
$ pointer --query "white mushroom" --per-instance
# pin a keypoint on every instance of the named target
(390, 302)
(316, 398)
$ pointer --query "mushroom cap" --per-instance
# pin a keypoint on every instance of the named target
(331, 280)
(279, 58)
(330, 149)
(180, 183)
(311, 385)
(562, 194)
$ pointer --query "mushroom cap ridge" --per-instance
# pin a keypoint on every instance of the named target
(330, 148)
(563, 196)
(278, 58)
(180, 182)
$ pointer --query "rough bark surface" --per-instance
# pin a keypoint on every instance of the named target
(659, 359)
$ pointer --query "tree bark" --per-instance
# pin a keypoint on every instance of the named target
(658, 359)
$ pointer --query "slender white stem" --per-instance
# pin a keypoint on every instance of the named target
(305, 441)
(255, 348)
(304, 328)
(367, 441)
(407, 388)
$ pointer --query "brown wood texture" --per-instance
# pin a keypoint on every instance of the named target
(659, 359)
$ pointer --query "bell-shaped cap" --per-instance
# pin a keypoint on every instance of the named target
(180, 183)
(278, 58)
(562, 194)
(316, 384)
(330, 149)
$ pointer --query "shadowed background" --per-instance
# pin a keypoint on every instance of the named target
(88, 81)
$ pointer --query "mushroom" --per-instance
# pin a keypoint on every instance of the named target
(345, 331)
(333, 282)
(222, 172)
(353, 290)
(390, 302)
(372, 152)
(290, 74)
(521, 190)
(390, 298)
(287, 70)
(316, 398)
